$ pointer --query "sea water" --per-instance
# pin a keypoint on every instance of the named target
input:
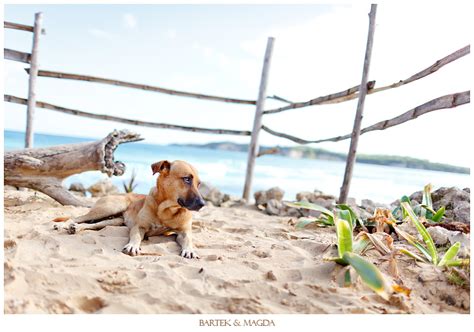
(226, 171)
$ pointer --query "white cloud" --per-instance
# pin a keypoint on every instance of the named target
(130, 21)
(99, 33)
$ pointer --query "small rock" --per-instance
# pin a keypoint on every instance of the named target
(262, 196)
(293, 212)
(462, 212)
(77, 186)
(271, 276)
(442, 236)
(211, 194)
(304, 196)
(103, 188)
(274, 207)
(465, 241)
(439, 235)
(417, 196)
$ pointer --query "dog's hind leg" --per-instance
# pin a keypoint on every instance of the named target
(105, 207)
(75, 228)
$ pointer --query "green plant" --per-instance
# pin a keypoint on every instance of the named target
(428, 250)
(348, 255)
(131, 185)
(326, 217)
(425, 209)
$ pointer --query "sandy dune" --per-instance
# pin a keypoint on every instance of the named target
(250, 263)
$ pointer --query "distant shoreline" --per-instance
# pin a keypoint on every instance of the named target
(302, 152)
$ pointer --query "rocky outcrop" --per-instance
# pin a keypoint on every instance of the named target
(271, 201)
(103, 188)
(215, 197)
(263, 196)
(456, 201)
(444, 237)
(211, 194)
(78, 188)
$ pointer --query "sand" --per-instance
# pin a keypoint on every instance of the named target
(250, 263)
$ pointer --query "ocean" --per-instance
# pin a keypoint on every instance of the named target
(226, 171)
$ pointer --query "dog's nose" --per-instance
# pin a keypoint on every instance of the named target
(199, 203)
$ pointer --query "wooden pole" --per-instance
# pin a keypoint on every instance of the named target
(360, 109)
(257, 122)
(32, 81)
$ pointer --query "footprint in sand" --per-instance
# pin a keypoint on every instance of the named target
(115, 282)
(90, 305)
(9, 247)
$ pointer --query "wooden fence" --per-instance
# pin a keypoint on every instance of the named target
(358, 91)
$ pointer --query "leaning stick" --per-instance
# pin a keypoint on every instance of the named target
(351, 93)
(40, 104)
(87, 78)
(448, 101)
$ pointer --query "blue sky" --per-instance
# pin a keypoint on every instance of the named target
(218, 49)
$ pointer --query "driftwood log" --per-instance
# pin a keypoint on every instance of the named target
(44, 169)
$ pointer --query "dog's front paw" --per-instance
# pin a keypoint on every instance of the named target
(189, 253)
(131, 249)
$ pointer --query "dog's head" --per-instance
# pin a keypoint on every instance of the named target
(179, 182)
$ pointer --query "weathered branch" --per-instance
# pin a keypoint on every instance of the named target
(44, 169)
(40, 104)
(328, 99)
(16, 55)
(351, 93)
(54, 74)
(17, 26)
(448, 101)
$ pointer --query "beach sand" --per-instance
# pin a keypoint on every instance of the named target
(250, 263)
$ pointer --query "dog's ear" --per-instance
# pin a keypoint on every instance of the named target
(160, 166)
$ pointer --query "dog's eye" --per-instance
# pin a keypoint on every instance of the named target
(187, 180)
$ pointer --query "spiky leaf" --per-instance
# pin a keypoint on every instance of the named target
(309, 206)
(344, 236)
(450, 254)
(411, 240)
(413, 255)
(355, 218)
(439, 214)
(369, 273)
(346, 215)
(424, 233)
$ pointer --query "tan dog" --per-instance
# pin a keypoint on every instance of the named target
(166, 208)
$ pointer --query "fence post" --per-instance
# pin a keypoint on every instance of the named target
(351, 157)
(257, 122)
(29, 135)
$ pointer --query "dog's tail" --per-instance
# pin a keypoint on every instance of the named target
(60, 219)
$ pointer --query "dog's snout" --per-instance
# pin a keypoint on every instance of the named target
(199, 203)
(193, 204)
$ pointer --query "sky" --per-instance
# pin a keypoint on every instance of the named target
(219, 49)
